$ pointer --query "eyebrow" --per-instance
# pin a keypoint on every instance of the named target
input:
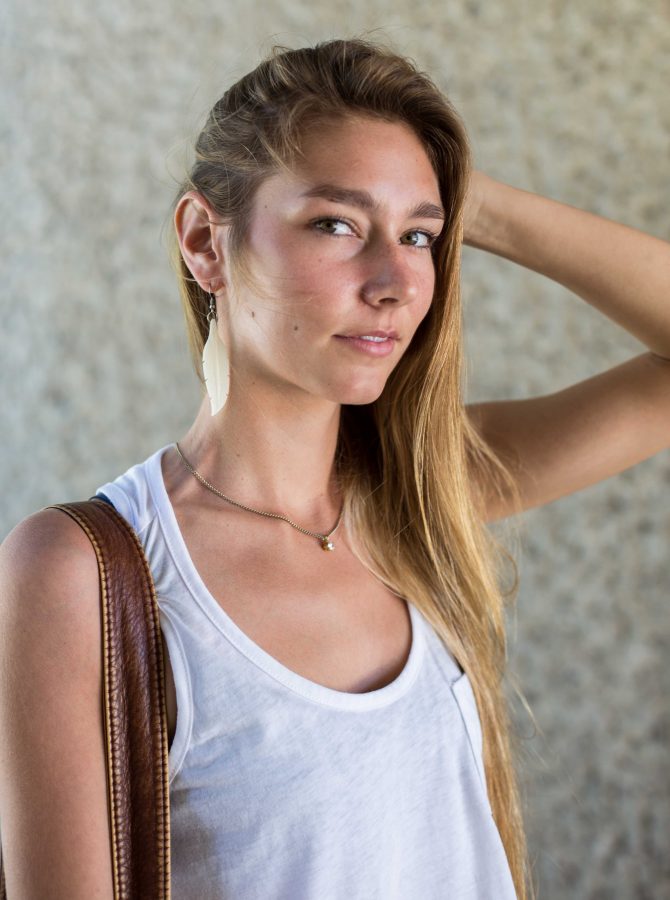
(364, 200)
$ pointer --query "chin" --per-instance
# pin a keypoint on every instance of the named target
(359, 395)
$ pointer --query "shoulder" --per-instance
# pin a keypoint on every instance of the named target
(48, 577)
(51, 713)
(46, 548)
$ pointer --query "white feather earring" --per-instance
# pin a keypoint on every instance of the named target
(215, 366)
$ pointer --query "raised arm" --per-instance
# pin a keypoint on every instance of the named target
(561, 442)
(53, 783)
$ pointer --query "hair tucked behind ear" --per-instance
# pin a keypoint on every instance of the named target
(413, 467)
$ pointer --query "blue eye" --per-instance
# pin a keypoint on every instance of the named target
(425, 239)
(323, 225)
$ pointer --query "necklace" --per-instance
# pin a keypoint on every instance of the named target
(323, 539)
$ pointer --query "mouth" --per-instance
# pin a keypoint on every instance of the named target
(374, 336)
(374, 343)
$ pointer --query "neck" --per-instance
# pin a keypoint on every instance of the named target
(276, 459)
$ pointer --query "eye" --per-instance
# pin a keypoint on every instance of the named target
(331, 225)
(421, 239)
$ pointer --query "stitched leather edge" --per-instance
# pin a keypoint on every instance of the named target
(78, 512)
(109, 742)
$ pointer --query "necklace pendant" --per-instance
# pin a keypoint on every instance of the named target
(327, 544)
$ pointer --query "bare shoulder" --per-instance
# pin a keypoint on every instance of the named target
(49, 586)
(53, 793)
(45, 549)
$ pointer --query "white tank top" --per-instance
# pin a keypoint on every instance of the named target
(284, 789)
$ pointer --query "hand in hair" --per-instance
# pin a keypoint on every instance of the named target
(569, 439)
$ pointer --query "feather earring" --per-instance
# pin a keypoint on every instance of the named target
(215, 367)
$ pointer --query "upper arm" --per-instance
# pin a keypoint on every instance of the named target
(560, 443)
(53, 780)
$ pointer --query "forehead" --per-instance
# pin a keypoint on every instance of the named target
(385, 159)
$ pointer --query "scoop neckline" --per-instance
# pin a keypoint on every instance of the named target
(290, 679)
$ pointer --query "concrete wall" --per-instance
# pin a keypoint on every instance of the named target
(564, 98)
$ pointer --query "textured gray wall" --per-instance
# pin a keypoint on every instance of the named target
(568, 99)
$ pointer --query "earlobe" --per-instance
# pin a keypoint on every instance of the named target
(196, 226)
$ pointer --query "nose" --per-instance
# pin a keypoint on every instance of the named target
(390, 276)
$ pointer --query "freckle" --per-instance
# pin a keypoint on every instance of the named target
(295, 327)
(253, 314)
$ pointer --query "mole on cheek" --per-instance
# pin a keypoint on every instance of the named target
(295, 327)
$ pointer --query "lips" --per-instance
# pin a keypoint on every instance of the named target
(372, 343)
(375, 333)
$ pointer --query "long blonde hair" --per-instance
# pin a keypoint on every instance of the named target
(413, 468)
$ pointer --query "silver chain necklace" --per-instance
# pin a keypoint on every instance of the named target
(323, 539)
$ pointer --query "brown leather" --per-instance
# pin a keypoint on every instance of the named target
(134, 710)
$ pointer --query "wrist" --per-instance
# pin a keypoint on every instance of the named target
(479, 219)
(491, 224)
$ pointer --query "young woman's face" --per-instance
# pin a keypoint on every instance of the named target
(340, 251)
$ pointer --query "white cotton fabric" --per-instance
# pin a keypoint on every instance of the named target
(283, 789)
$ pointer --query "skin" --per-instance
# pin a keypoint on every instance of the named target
(323, 269)
(562, 442)
(272, 446)
(325, 276)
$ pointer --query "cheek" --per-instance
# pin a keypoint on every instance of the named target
(293, 279)
(308, 294)
(426, 291)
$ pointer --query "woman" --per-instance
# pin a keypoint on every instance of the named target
(328, 588)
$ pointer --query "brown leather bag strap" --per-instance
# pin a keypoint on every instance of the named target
(134, 711)
(136, 734)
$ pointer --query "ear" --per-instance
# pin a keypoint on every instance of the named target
(201, 239)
